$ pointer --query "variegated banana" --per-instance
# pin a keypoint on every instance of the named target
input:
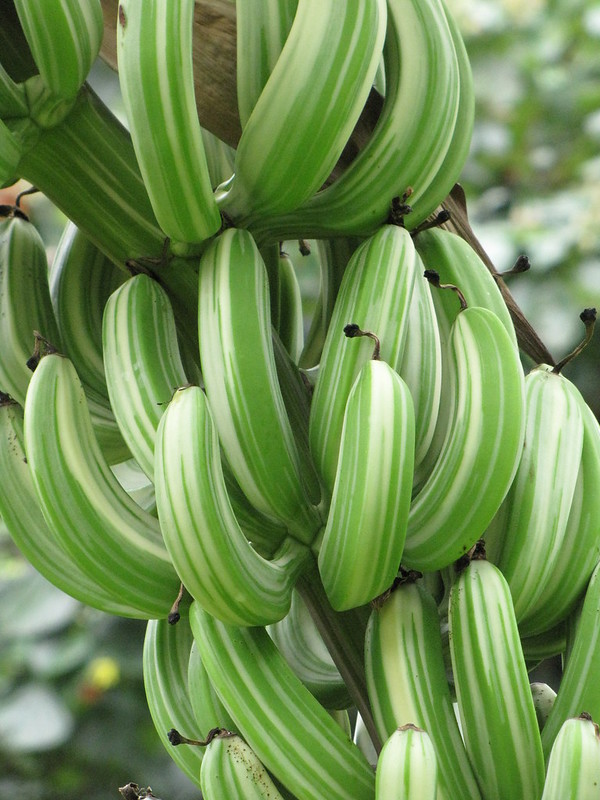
(574, 763)
(498, 719)
(407, 766)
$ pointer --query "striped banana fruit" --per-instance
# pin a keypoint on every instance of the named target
(154, 48)
(574, 764)
(498, 719)
(407, 767)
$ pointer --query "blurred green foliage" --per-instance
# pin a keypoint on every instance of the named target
(73, 719)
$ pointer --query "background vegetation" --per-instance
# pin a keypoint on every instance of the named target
(73, 719)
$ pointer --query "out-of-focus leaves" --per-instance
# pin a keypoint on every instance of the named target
(33, 719)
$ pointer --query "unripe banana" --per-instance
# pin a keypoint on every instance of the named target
(25, 305)
(298, 640)
(543, 700)
(308, 107)
(142, 362)
(375, 292)
(407, 681)
(407, 766)
(535, 520)
(208, 548)
(240, 376)
(480, 454)
(498, 719)
(231, 770)
(20, 511)
(165, 663)
(291, 733)
(208, 710)
(371, 495)
(574, 763)
(64, 37)
(114, 541)
(579, 688)
(154, 47)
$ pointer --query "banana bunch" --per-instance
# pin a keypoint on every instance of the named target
(295, 511)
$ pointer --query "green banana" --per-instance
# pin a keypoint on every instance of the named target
(25, 305)
(580, 549)
(154, 48)
(208, 710)
(291, 733)
(407, 147)
(480, 453)
(240, 376)
(64, 37)
(543, 700)
(142, 362)
(534, 525)
(298, 640)
(308, 107)
(407, 681)
(165, 660)
(231, 770)
(261, 33)
(376, 291)
(112, 539)
(370, 500)
(497, 714)
(208, 548)
(23, 518)
(574, 763)
(407, 767)
(579, 688)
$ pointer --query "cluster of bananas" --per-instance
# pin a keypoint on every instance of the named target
(322, 497)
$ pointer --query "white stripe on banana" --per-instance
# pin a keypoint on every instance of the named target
(154, 48)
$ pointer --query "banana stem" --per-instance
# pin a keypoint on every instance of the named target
(434, 279)
(87, 167)
(588, 317)
(344, 635)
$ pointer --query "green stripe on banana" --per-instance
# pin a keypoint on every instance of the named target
(154, 48)
(113, 540)
(292, 734)
(64, 37)
(208, 548)
(407, 681)
(498, 719)
(242, 385)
